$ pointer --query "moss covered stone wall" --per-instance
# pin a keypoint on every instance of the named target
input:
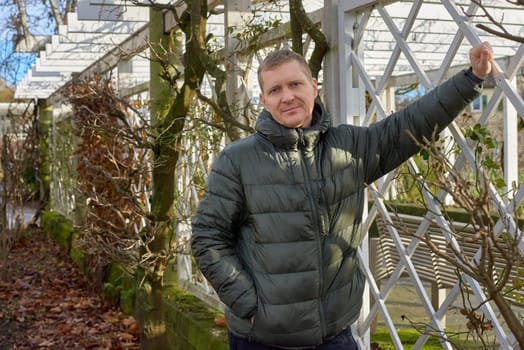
(190, 323)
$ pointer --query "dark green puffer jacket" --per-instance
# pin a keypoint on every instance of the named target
(277, 230)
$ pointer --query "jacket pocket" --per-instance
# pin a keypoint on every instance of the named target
(252, 321)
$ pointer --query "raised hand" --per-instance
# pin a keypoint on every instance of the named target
(481, 57)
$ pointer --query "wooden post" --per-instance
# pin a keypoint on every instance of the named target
(235, 16)
(438, 295)
(345, 93)
(511, 149)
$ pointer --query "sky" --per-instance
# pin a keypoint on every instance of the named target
(13, 65)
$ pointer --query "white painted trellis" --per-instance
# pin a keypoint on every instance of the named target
(360, 21)
(374, 47)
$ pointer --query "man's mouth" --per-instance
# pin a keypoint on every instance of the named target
(290, 110)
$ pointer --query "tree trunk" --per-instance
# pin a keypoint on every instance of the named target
(56, 12)
(513, 322)
(301, 23)
(169, 120)
(150, 312)
(149, 303)
(23, 29)
(296, 27)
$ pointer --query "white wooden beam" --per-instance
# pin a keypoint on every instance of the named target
(135, 43)
(99, 26)
(34, 75)
(87, 56)
(92, 38)
(107, 11)
(77, 48)
(511, 147)
(41, 68)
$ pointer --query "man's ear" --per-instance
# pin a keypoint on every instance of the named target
(315, 86)
(262, 99)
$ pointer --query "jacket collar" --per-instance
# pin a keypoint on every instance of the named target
(288, 138)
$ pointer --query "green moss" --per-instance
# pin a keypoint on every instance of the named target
(191, 323)
(127, 301)
(30, 180)
(59, 228)
(77, 254)
(408, 338)
(119, 289)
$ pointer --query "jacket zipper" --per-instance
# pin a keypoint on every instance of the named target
(311, 196)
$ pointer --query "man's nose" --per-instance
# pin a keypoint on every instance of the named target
(287, 95)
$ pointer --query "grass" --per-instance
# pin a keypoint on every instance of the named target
(408, 337)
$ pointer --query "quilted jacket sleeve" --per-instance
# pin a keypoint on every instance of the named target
(388, 143)
(215, 226)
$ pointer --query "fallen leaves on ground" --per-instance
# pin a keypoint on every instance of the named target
(47, 303)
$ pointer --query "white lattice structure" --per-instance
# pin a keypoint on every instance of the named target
(375, 46)
(381, 41)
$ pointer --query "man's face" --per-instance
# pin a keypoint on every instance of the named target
(289, 95)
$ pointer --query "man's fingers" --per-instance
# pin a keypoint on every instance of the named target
(481, 57)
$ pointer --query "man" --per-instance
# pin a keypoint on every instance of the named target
(277, 230)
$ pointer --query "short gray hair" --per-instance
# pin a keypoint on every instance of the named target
(278, 57)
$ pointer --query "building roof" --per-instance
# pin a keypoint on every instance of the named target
(425, 29)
